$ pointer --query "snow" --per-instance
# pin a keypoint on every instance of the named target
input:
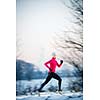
(47, 95)
(53, 96)
(37, 82)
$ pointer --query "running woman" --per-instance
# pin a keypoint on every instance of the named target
(51, 65)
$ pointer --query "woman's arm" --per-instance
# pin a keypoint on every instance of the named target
(46, 64)
(61, 62)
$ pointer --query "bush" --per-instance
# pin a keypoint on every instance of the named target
(76, 85)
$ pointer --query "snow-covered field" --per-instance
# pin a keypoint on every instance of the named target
(53, 96)
(66, 95)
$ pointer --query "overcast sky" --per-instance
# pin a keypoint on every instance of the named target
(36, 23)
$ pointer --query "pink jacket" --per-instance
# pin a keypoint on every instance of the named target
(52, 64)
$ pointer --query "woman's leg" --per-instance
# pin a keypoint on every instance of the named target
(46, 81)
(59, 80)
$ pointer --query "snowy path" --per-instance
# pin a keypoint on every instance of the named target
(52, 96)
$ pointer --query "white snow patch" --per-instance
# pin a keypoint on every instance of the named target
(53, 96)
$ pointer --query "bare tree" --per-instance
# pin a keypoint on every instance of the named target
(70, 42)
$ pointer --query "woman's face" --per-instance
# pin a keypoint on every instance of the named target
(54, 57)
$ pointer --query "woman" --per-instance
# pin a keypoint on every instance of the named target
(51, 65)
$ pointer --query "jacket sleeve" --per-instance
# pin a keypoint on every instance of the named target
(59, 65)
(46, 64)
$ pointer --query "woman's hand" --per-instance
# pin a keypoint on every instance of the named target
(61, 61)
(50, 69)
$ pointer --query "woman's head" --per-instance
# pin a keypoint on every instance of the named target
(54, 55)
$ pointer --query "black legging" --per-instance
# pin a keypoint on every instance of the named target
(51, 75)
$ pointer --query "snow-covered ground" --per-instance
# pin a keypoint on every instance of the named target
(21, 85)
(66, 95)
(52, 96)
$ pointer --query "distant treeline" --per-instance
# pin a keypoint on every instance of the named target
(28, 71)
